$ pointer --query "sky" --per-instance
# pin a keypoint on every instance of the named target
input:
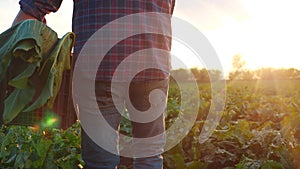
(265, 32)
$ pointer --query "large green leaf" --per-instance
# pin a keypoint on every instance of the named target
(46, 93)
(28, 51)
(42, 147)
(21, 81)
(16, 101)
(57, 61)
(24, 40)
(6, 40)
(61, 62)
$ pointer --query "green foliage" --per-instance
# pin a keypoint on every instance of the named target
(26, 147)
(259, 129)
(16, 102)
(28, 66)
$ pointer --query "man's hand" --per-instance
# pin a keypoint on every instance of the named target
(23, 16)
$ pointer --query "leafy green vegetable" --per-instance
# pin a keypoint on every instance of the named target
(29, 148)
(21, 81)
(258, 130)
(36, 45)
(16, 101)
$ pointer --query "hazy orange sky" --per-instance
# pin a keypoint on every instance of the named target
(265, 32)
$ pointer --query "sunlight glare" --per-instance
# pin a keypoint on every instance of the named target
(183, 56)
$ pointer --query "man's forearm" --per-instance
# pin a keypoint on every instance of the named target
(22, 16)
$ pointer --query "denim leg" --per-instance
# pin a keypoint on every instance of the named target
(145, 130)
(139, 96)
(96, 157)
(155, 162)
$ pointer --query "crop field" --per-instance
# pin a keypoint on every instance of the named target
(259, 128)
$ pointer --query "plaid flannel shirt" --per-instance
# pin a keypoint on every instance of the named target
(90, 15)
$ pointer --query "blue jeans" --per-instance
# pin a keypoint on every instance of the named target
(95, 156)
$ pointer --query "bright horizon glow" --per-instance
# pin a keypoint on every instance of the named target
(265, 32)
(268, 38)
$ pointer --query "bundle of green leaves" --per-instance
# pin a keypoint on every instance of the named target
(32, 61)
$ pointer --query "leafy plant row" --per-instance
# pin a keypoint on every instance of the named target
(259, 129)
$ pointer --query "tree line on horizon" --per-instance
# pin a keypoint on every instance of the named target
(238, 73)
(204, 75)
